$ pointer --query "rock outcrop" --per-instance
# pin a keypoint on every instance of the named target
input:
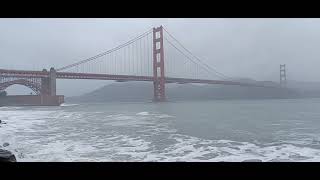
(7, 156)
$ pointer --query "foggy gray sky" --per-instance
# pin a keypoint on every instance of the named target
(246, 48)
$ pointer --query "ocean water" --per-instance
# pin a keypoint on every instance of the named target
(217, 130)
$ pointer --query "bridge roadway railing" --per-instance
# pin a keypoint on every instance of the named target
(119, 78)
(67, 75)
(23, 73)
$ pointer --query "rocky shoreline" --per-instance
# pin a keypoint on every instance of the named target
(5, 155)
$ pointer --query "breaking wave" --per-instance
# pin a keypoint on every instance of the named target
(59, 135)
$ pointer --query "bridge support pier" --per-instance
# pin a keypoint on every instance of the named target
(44, 85)
(48, 85)
(52, 81)
(158, 65)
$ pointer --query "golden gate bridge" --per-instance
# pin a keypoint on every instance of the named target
(155, 56)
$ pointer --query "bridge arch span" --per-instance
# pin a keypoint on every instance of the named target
(34, 86)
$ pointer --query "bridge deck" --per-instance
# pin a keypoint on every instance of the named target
(120, 78)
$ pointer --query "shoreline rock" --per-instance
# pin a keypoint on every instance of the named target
(7, 156)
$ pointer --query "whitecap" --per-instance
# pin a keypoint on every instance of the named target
(164, 116)
(143, 113)
(66, 105)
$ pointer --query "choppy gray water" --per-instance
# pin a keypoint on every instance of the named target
(221, 130)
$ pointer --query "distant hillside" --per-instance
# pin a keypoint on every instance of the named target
(143, 91)
(128, 91)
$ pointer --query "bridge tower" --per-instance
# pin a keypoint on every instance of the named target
(158, 65)
(52, 81)
(44, 84)
(48, 85)
(283, 77)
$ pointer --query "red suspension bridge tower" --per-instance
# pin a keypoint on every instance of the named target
(283, 76)
(158, 65)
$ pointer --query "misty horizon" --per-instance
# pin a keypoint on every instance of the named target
(240, 48)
